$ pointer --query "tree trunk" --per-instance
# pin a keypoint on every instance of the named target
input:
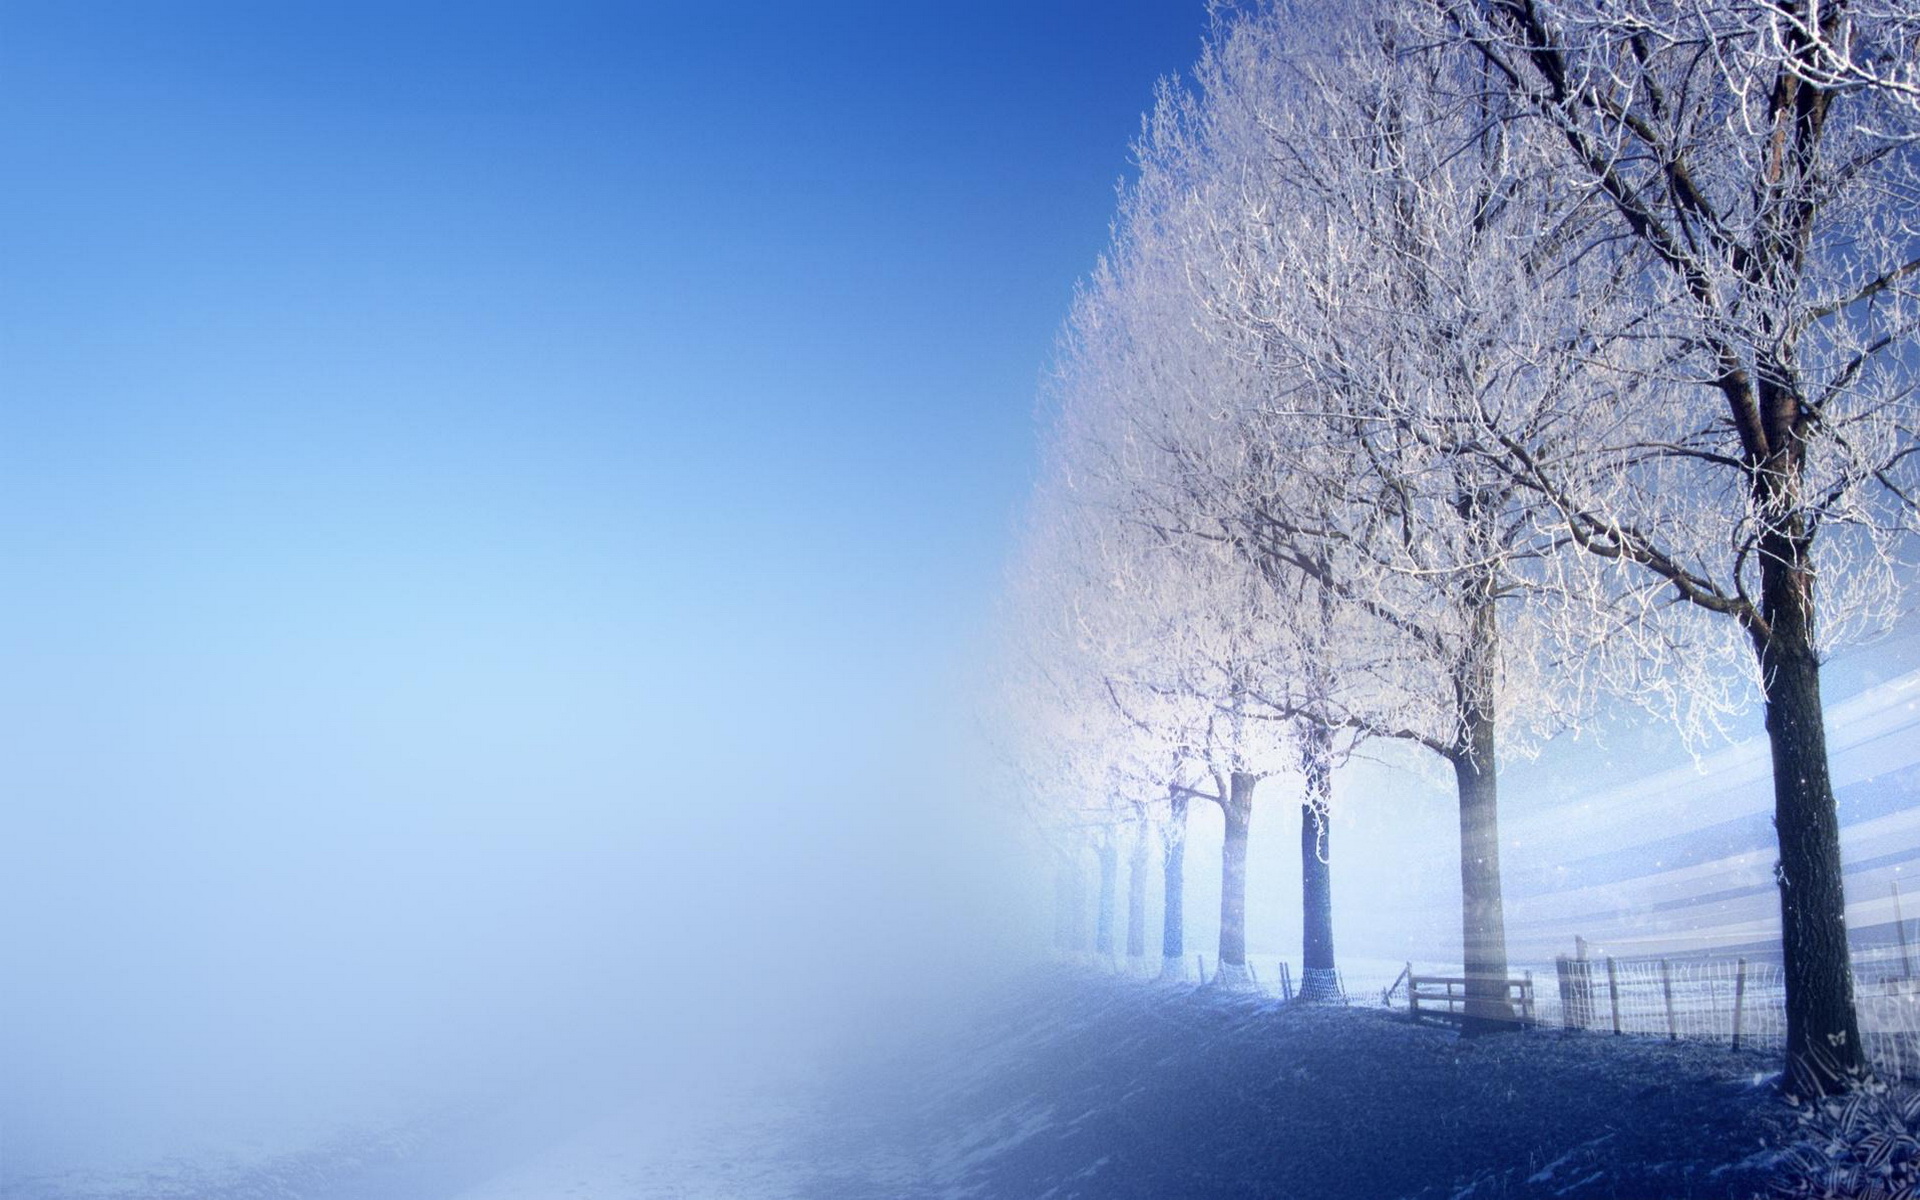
(1062, 907)
(1233, 873)
(1483, 923)
(1824, 1051)
(1103, 932)
(1173, 916)
(1483, 929)
(1077, 904)
(1319, 981)
(1137, 900)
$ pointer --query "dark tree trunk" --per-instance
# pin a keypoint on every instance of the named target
(1233, 871)
(1103, 932)
(1483, 923)
(1824, 1051)
(1137, 899)
(1173, 917)
(1319, 981)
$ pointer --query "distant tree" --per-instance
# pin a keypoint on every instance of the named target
(1185, 686)
(1079, 936)
(1138, 859)
(1108, 855)
(1175, 630)
(1063, 906)
(1052, 744)
(1173, 875)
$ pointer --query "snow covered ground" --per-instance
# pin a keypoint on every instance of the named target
(1100, 1087)
(752, 1151)
(1079, 1085)
(747, 1146)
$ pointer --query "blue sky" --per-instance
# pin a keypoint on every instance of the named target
(432, 348)
(436, 439)
(696, 308)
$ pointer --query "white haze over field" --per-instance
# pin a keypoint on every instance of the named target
(497, 525)
(283, 898)
(261, 887)
(259, 892)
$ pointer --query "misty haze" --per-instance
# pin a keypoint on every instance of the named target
(862, 602)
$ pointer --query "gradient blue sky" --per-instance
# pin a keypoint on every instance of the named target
(351, 322)
(436, 439)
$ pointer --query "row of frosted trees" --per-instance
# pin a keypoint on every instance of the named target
(1459, 367)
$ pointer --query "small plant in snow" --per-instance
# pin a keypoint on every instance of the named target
(1865, 1144)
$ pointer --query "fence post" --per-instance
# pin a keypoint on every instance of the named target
(1526, 999)
(1561, 972)
(1286, 981)
(1739, 998)
(1900, 930)
(1386, 997)
(1613, 992)
(1413, 996)
(1666, 986)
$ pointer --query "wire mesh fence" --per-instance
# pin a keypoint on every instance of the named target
(1724, 1000)
(1731, 1001)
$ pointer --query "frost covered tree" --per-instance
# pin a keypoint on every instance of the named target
(1744, 450)
(1095, 717)
(1176, 631)
(1140, 439)
(1184, 686)
(1054, 743)
(1320, 269)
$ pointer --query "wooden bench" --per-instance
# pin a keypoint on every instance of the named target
(1444, 997)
